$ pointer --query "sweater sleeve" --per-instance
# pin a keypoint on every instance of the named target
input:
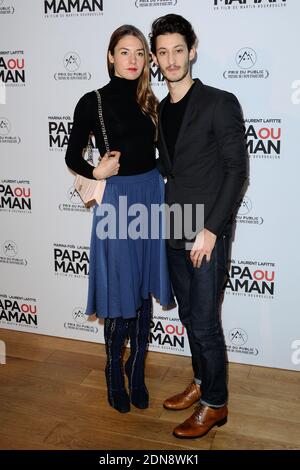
(82, 126)
(230, 134)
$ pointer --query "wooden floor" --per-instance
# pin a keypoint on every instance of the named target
(53, 396)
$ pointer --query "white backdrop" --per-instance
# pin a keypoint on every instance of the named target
(51, 53)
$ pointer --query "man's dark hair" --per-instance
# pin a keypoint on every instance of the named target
(172, 24)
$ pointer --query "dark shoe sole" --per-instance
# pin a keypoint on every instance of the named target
(142, 404)
(218, 423)
(120, 410)
(123, 407)
(140, 407)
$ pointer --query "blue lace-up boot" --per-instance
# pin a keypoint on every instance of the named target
(138, 331)
(115, 334)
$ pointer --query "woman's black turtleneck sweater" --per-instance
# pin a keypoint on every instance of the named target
(128, 129)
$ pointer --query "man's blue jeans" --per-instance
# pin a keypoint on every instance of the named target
(198, 292)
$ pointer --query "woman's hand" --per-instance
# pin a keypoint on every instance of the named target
(108, 166)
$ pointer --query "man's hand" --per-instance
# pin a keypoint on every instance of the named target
(108, 166)
(203, 246)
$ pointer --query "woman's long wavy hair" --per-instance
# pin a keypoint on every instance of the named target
(145, 96)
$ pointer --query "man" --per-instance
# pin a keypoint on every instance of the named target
(203, 155)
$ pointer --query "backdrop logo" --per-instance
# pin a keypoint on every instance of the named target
(230, 5)
(12, 68)
(5, 126)
(70, 261)
(73, 202)
(80, 322)
(246, 206)
(244, 215)
(245, 59)
(72, 8)
(9, 254)
(263, 138)
(156, 77)
(72, 63)
(59, 128)
(79, 315)
(6, 9)
(167, 335)
(251, 278)
(5, 130)
(15, 196)
(74, 197)
(18, 311)
(10, 249)
(155, 3)
(238, 338)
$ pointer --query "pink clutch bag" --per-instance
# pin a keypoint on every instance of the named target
(90, 190)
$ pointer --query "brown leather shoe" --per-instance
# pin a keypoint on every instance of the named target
(184, 400)
(201, 421)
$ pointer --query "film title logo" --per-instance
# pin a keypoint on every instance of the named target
(263, 140)
(12, 68)
(59, 132)
(156, 76)
(70, 8)
(242, 4)
(253, 279)
(15, 196)
(70, 260)
(18, 312)
(167, 335)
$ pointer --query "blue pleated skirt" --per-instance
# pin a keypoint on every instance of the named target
(125, 269)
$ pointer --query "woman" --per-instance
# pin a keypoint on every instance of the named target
(124, 270)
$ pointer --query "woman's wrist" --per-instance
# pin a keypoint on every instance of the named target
(96, 174)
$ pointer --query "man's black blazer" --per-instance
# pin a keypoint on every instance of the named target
(210, 161)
